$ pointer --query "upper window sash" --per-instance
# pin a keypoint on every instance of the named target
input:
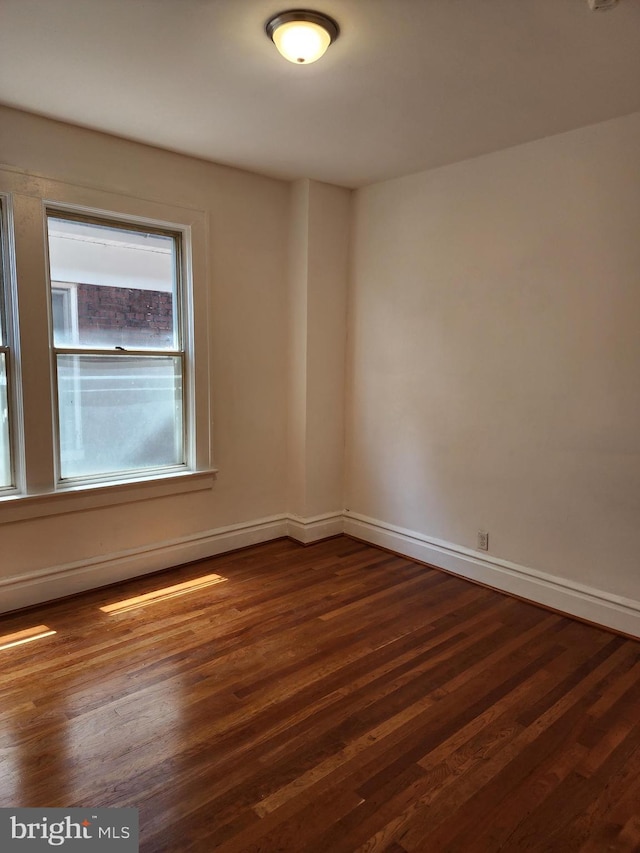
(101, 254)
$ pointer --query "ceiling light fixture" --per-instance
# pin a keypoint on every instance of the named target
(302, 36)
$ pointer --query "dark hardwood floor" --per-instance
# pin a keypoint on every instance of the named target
(330, 698)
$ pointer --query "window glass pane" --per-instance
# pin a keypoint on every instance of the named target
(119, 413)
(5, 462)
(116, 287)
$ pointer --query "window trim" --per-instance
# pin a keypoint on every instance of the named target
(80, 498)
(37, 493)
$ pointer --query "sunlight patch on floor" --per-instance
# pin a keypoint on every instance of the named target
(162, 594)
(27, 636)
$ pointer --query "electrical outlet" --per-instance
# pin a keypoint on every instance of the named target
(483, 540)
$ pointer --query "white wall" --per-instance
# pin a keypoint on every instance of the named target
(494, 363)
(248, 219)
(319, 252)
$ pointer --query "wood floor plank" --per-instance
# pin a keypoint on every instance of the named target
(324, 699)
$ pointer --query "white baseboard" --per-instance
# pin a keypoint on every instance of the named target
(59, 581)
(570, 597)
(308, 530)
(575, 599)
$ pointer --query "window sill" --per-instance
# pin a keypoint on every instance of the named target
(78, 498)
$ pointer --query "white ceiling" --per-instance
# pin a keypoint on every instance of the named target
(409, 85)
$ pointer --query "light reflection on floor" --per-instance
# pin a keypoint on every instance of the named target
(163, 594)
(8, 641)
(96, 717)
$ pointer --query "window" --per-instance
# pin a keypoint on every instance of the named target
(118, 345)
(6, 468)
(104, 355)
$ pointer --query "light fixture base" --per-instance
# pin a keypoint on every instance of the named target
(307, 15)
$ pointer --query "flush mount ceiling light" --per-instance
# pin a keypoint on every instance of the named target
(302, 36)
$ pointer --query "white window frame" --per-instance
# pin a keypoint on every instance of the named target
(184, 320)
(39, 491)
